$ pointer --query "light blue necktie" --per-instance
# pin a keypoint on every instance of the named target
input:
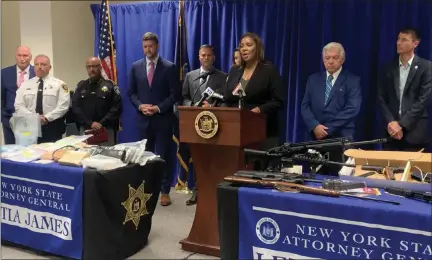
(328, 88)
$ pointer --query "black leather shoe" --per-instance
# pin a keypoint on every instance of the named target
(193, 199)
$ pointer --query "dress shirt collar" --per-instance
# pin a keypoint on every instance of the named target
(335, 75)
(44, 78)
(155, 61)
(27, 70)
(408, 64)
(202, 70)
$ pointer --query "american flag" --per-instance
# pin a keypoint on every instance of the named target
(106, 43)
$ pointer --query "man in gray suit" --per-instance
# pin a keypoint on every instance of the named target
(196, 82)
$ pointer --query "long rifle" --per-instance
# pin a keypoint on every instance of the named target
(286, 186)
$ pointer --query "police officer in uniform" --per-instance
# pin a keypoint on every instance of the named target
(47, 96)
(96, 102)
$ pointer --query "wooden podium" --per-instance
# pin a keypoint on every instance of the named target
(215, 158)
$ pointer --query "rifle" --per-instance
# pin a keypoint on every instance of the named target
(329, 184)
(424, 196)
(286, 186)
(388, 171)
(286, 153)
(275, 176)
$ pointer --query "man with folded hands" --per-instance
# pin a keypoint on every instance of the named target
(96, 103)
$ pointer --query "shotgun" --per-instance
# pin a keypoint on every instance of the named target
(287, 186)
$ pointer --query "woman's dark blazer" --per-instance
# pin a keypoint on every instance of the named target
(264, 90)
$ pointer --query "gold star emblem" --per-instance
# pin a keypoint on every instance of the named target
(136, 205)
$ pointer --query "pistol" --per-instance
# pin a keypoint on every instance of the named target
(378, 169)
(390, 171)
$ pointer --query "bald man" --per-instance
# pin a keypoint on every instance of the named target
(11, 79)
(96, 102)
(47, 96)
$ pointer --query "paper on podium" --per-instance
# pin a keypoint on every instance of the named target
(26, 128)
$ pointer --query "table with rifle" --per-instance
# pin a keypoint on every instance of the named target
(269, 214)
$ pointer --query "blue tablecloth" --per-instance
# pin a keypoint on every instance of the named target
(42, 207)
(276, 225)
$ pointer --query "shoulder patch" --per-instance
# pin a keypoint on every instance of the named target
(116, 89)
(65, 88)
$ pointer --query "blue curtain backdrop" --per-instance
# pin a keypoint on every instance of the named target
(294, 33)
(130, 22)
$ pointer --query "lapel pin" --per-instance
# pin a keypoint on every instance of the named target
(416, 67)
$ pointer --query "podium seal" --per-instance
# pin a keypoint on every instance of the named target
(206, 124)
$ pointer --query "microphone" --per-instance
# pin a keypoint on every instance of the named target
(217, 99)
(207, 93)
(205, 74)
(204, 77)
(238, 90)
(217, 96)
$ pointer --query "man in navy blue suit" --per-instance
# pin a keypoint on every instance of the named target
(153, 89)
(11, 79)
(332, 102)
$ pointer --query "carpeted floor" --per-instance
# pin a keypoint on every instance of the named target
(170, 225)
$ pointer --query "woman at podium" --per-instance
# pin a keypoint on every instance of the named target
(258, 84)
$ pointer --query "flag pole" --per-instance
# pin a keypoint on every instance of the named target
(114, 67)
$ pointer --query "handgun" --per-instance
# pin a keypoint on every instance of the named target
(388, 171)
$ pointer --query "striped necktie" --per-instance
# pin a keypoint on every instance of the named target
(328, 88)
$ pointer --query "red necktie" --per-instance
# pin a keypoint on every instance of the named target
(151, 73)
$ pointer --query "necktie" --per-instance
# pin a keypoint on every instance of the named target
(150, 73)
(21, 78)
(202, 80)
(328, 88)
(39, 97)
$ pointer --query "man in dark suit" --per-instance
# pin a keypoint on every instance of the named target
(11, 79)
(332, 102)
(194, 86)
(153, 89)
(404, 91)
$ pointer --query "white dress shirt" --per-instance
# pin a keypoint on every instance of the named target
(403, 76)
(55, 101)
(202, 70)
(335, 76)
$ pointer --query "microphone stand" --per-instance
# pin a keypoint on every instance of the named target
(241, 99)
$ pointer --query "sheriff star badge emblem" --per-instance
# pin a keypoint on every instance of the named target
(136, 205)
